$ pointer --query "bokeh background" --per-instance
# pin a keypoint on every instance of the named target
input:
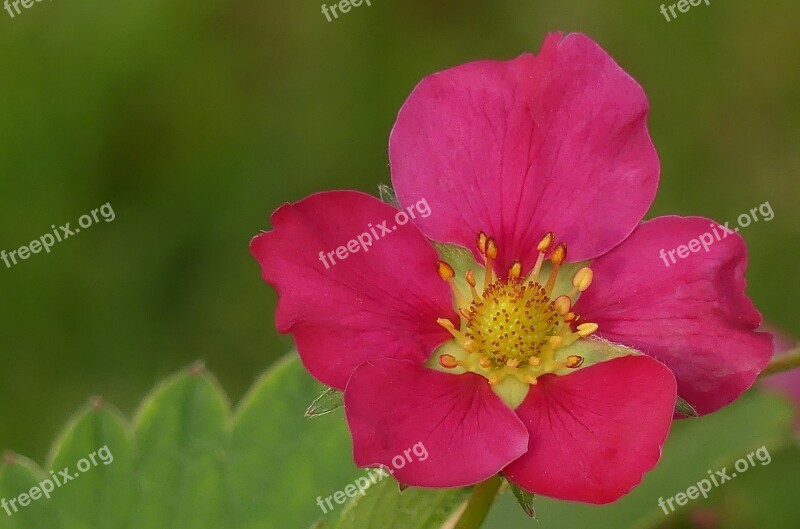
(195, 119)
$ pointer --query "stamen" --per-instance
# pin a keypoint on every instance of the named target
(447, 324)
(491, 255)
(448, 361)
(557, 259)
(585, 329)
(574, 361)
(546, 242)
(482, 242)
(542, 247)
(581, 282)
(470, 277)
(447, 273)
(583, 279)
(515, 271)
(562, 305)
(532, 380)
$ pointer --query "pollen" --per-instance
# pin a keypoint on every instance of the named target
(514, 326)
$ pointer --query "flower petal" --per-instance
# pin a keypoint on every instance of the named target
(379, 301)
(466, 431)
(554, 142)
(692, 315)
(595, 432)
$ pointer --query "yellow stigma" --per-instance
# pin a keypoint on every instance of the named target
(514, 327)
(511, 321)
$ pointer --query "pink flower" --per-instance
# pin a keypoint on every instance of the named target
(515, 364)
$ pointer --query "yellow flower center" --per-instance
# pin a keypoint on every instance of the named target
(512, 322)
(514, 327)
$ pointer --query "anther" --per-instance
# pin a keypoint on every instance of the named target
(491, 255)
(515, 271)
(574, 361)
(562, 304)
(448, 361)
(559, 255)
(581, 282)
(585, 329)
(491, 248)
(482, 242)
(470, 277)
(557, 258)
(542, 247)
(583, 279)
(445, 271)
(546, 242)
(447, 324)
(530, 379)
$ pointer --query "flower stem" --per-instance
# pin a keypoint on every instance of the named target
(479, 503)
(784, 362)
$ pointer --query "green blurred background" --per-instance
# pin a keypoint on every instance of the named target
(196, 119)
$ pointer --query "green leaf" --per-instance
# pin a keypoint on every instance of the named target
(189, 463)
(764, 496)
(104, 493)
(180, 430)
(684, 408)
(415, 508)
(331, 399)
(18, 476)
(279, 461)
(388, 195)
(525, 500)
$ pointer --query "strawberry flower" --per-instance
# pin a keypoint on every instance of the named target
(552, 347)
